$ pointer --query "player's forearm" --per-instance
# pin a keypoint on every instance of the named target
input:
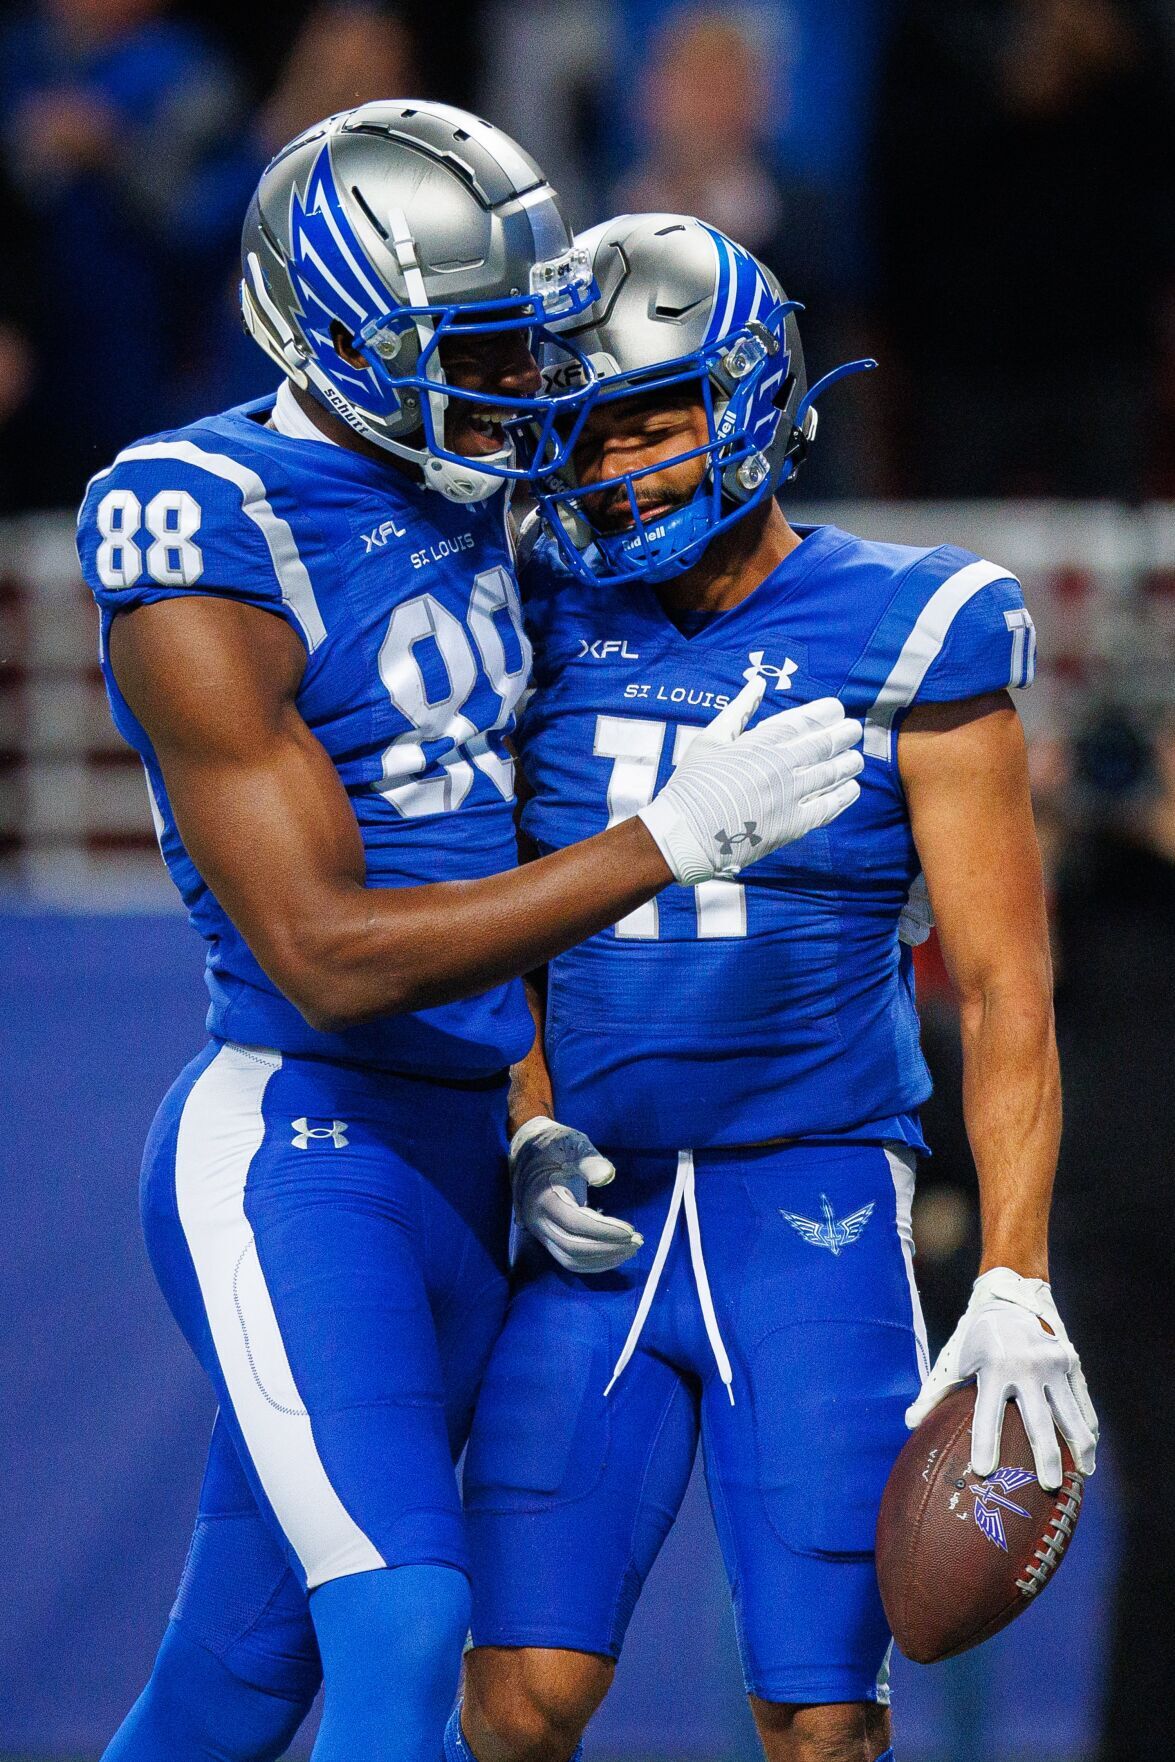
(381, 951)
(531, 1092)
(1012, 1106)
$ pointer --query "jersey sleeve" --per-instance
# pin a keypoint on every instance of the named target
(170, 519)
(955, 627)
(989, 646)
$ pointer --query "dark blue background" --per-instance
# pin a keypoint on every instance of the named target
(105, 1416)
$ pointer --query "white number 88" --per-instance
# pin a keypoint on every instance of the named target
(172, 520)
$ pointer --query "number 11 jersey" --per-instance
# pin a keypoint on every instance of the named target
(407, 607)
(780, 1004)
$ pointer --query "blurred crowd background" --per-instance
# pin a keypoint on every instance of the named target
(981, 193)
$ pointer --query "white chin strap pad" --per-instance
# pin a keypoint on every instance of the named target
(463, 483)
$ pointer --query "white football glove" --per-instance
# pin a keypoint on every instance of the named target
(551, 1169)
(737, 795)
(1013, 1342)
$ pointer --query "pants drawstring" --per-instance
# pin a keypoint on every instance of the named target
(702, 1281)
(684, 1196)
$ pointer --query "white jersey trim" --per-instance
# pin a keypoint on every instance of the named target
(156, 811)
(922, 648)
(221, 1130)
(901, 1167)
(296, 589)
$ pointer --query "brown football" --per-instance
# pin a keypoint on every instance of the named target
(958, 1557)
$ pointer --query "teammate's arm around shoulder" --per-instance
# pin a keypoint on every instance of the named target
(964, 768)
(266, 820)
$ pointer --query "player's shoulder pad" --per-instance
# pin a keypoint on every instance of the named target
(954, 626)
(195, 510)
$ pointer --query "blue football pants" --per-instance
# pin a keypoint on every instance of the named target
(332, 1244)
(785, 1333)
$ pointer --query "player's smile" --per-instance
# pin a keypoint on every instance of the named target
(634, 435)
(501, 364)
(495, 363)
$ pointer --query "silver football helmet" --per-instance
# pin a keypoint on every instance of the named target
(680, 303)
(398, 221)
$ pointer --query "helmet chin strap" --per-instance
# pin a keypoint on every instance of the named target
(682, 539)
(465, 483)
(455, 481)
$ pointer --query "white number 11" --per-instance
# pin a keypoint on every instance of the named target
(634, 744)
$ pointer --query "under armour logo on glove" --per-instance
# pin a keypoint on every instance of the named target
(793, 772)
(304, 1132)
(729, 841)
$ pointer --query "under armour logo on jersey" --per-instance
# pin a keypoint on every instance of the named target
(304, 1132)
(758, 669)
(991, 1494)
(729, 842)
(831, 1232)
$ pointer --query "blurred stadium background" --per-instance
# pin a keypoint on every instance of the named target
(979, 192)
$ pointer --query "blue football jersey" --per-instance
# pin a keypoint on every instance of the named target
(407, 606)
(780, 1004)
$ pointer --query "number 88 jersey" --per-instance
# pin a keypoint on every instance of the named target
(407, 607)
(780, 1004)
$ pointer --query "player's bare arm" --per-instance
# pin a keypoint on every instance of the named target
(965, 774)
(552, 1168)
(964, 770)
(267, 822)
(531, 1091)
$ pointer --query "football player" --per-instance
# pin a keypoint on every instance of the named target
(742, 1059)
(311, 634)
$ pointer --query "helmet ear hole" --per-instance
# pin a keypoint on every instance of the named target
(783, 395)
(344, 343)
